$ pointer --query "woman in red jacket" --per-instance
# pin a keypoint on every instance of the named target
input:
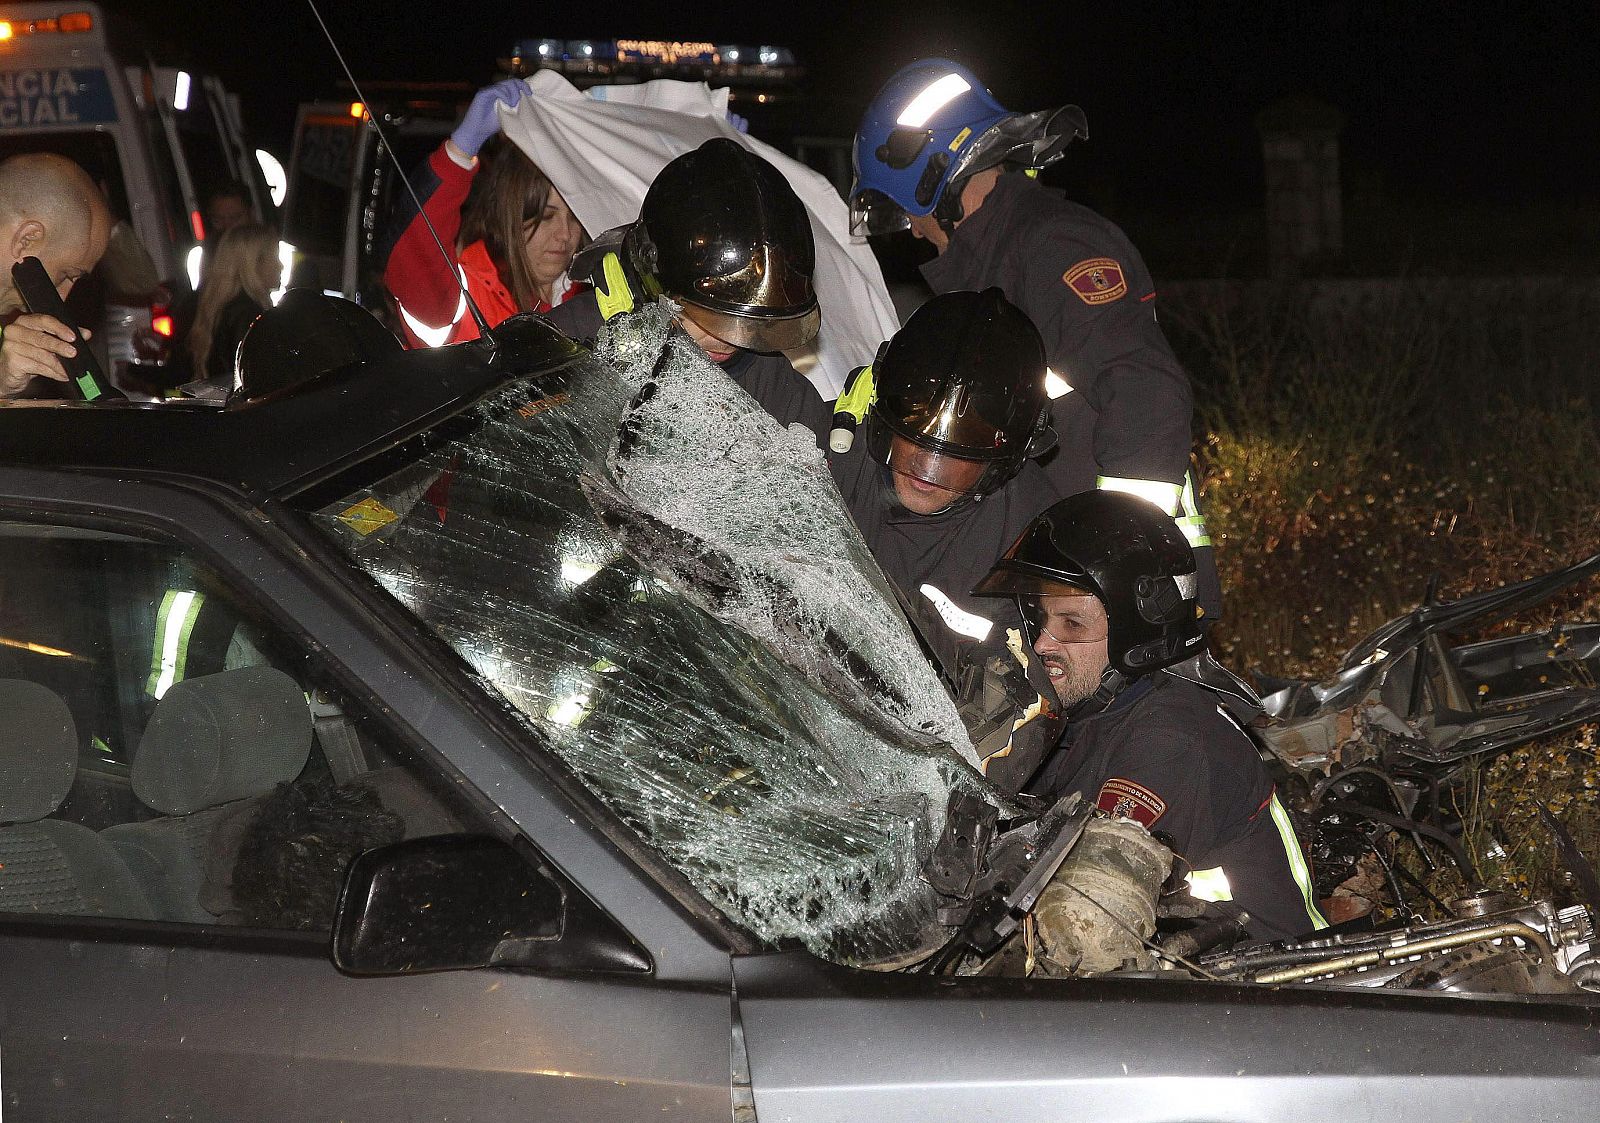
(512, 242)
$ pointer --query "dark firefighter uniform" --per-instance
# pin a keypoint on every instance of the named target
(1164, 755)
(770, 379)
(936, 560)
(1125, 424)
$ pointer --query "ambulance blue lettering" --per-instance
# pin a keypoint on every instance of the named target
(49, 97)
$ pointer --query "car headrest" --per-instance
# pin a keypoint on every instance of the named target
(222, 737)
(38, 751)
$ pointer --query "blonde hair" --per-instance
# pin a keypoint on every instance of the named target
(240, 264)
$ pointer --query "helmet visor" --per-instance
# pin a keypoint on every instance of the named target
(955, 474)
(1066, 615)
(873, 212)
(1030, 140)
(756, 333)
(926, 480)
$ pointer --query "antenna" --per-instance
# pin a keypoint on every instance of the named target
(383, 141)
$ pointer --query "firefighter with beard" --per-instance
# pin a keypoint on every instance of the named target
(1105, 585)
(944, 475)
(936, 153)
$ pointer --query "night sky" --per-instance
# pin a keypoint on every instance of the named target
(1470, 103)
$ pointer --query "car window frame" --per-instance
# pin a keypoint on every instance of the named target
(687, 936)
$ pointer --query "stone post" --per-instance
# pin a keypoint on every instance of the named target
(1300, 148)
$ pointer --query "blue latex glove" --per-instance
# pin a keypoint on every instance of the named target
(481, 121)
(738, 122)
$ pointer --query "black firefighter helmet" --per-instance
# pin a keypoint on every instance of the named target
(963, 382)
(1122, 549)
(722, 233)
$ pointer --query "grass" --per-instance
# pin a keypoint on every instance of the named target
(1355, 446)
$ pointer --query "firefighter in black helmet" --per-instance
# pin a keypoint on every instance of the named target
(961, 402)
(1106, 585)
(723, 235)
(937, 153)
(944, 474)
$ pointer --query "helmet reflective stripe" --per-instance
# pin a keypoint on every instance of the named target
(956, 618)
(934, 97)
(432, 336)
(1210, 885)
(1297, 861)
(180, 608)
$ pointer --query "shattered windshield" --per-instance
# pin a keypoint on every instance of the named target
(664, 582)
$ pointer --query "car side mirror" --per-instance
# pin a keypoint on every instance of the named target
(453, 902)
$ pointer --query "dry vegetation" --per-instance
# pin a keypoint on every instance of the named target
(1356, 447)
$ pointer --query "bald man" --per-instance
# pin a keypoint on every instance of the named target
(52, 210)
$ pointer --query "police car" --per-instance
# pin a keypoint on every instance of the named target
(79, 81)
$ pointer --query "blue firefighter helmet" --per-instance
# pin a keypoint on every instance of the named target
(931, 127)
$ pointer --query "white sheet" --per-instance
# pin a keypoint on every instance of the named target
(603, 147)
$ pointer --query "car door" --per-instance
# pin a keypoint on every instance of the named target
(827, 1045)
(169, 997)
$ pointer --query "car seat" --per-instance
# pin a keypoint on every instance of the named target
(214, 746)
(51, 865)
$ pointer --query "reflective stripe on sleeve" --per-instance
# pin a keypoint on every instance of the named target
(1297, 861)
(1177, 500)
(956, 618)
(1191, 521)
(180, 608)
(432, 336)
(1163, 495)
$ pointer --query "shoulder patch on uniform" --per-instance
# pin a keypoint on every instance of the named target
(1098, 280)
(1127, 800)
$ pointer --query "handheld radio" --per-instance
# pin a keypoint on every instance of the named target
(87, 381)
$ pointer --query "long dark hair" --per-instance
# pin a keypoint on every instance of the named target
(508, 195)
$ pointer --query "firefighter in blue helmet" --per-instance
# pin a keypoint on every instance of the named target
(1154, 728)
(936, 153)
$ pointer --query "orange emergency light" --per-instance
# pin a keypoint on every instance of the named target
(357, 110)
(68, 24)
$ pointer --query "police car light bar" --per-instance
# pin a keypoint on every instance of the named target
(67, 23)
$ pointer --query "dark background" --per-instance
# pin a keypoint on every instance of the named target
(1470, 127)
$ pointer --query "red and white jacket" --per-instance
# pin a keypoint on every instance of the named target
(432, 309)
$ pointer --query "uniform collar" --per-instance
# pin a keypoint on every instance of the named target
(1126, 698)
(962, 265)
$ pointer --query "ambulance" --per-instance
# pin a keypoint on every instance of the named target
(82, 82)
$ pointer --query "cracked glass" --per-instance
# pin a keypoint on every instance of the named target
(663, 581)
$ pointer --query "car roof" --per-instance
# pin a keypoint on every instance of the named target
(286, 441)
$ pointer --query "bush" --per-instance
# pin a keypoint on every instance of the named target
(1354, 446)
